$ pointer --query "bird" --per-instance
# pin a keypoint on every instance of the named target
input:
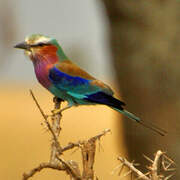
(67, 81)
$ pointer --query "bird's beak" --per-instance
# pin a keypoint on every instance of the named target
(22, 45)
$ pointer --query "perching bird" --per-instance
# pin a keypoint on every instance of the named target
(67, 81)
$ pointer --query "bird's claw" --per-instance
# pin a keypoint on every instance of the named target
(49, 116)
(56, 111)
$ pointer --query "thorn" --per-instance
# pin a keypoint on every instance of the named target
(126, 174)
(147, 158)
(168, 177)
(121, 169)
(116, 168)
(140, 177)
(100, 146)
(170, 160)
(75, 150)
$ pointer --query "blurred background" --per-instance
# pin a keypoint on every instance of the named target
(131, 45)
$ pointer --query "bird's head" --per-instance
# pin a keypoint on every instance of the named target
(40, 44)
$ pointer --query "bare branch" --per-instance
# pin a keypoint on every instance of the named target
(133, 169)
(41, 167)
(156, 163)
(150, 160)
(168, 177)
(55, 145)
(97, 137)
(161, 163)
(43, 114)
(73, 171)
(88, 149)
(70, 146)
(126, 174)
(88, 155)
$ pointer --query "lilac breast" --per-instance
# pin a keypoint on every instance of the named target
(42, 70)
(42, 63)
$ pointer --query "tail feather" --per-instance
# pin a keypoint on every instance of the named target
(129, 115)
(156, 129)
(106, 99)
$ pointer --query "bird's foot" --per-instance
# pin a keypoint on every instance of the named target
(51, 116)
(56, 111)
(59, 111)
(53, 113)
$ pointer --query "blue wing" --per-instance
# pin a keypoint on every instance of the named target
(73, 85)
(82, 88)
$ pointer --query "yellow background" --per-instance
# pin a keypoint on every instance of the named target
(25, 142)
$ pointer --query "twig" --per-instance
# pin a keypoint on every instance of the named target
(75, 173)
(133, 169)
(43, 114)
(97, 137)
(71, 146)
(41, 167)
(160, 162)
(55, 145)
(88, 149)
(126, 174)
(154, 168)
(150, 160)
(168, 177)
(121, 169)
(116, 168)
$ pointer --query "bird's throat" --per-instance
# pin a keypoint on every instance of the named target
(43, 61)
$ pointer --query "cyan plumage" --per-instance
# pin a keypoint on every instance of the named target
(66, 80)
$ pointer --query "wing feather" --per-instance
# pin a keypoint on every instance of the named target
(75, 84)
(73, 70)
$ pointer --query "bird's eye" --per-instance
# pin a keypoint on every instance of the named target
(40, 44)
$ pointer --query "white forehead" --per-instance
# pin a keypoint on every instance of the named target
(37, 39)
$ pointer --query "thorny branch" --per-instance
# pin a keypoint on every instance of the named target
(132, 168)
(161, 163)
(41, 167)
(87, 148)
(155, 165)
(45, 118)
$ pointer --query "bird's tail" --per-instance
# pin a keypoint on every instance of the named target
(156, 129)
(106, 99)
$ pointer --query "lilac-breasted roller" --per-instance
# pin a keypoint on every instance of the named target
(67, 81)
